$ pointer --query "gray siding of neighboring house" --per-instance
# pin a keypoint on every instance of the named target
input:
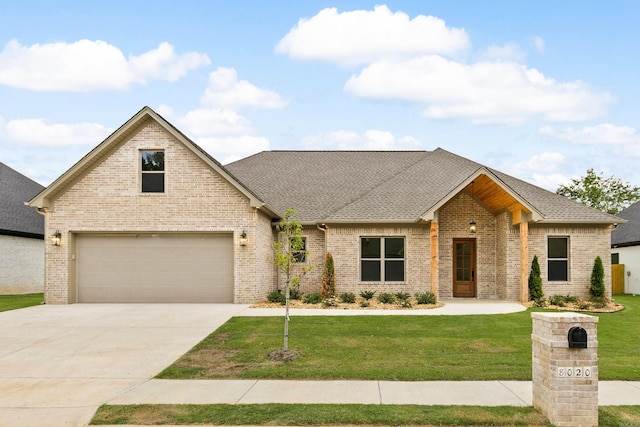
(21, 265)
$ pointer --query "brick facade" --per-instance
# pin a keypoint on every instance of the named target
(196, 199)
(21, 265)
(497, 253)
(106, 197)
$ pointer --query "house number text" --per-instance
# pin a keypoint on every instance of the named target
(577, 372)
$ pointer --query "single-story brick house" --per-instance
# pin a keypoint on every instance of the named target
(21, 235)
(148, 216)
(625, 247)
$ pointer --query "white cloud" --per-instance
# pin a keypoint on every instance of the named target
(44, 133)
(509, 51)
(544, 170)
(485, 92)
(362, 36)
(227, 149)
(539, 44)
(224, 134)
(605, 133)
(226, 91)
(88, 65)
(204, 122)
(370, 140)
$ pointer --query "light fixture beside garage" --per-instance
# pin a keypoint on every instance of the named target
(243, 238)
(56, 238)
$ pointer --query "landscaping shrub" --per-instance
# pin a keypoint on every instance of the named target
(329, 302)
(328, 278)
(367, 294)
(405, 303)
(386, 298)
(348, 297)
(557, 300)
(425, 298)
(571, 298)
(364, 304)
(312, 298)
(535, 282)
(596, 290)
(276, 296)
(294, 293)
(402, 296)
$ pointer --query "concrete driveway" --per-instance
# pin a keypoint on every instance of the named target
(59, 363)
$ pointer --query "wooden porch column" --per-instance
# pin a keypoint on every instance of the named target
(524, 261)
(434, 258)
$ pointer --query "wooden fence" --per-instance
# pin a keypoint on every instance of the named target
(617, 279)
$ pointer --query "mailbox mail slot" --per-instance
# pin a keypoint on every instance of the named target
(577, 337)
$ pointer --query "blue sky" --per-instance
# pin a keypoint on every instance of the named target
(540, 90)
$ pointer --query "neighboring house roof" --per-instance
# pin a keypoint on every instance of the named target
(85, 164)
(16, 218)
(388, 186)
(627, 234)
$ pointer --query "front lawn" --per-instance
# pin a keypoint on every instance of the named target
(412, 348)
(348, 415)
(13, 302)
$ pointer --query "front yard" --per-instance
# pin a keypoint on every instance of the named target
(410, 348)
(383, 347)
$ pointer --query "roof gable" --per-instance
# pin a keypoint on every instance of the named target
(15, 217)
(122, 134)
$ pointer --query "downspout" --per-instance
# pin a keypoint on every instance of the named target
(323, 228)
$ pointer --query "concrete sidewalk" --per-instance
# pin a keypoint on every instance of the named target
(480, 393)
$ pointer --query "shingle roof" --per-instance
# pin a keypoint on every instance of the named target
(385, 186)
(15, 217)
(628, 234)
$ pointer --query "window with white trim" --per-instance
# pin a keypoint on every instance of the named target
(382, 259)
(557, 259)
(152, 171)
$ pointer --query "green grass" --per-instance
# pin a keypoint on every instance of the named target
(412, 348)
(14, 302)
(300, 415)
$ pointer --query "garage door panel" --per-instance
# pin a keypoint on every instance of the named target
(155, 268)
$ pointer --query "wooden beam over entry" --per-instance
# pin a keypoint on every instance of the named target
(524, 261)
(434, 258)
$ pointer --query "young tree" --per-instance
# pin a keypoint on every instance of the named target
(328, 278)
(597, 289)
(609, 195)
(288, 252)
(535, 281)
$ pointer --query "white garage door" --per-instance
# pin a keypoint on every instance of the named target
(155, 268)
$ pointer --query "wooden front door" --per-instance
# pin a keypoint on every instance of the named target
(464, 268)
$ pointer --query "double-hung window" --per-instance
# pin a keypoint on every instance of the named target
(300, 253)
(382, 259)
(152, 171)
(558, 259)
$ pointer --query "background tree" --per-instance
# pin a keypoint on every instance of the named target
(609, 195)
(288, 251)
(535, 282)
(328, 278)
(597, 289)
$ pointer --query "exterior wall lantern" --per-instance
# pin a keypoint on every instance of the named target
(56, 238)
(243, 238)
(472, 226)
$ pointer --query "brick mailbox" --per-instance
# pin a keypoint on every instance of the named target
(565, 368)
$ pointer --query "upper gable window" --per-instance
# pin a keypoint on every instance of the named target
(152, 171)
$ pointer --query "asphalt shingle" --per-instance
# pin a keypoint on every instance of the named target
(360, 186)
(628, 233)
(15, 217)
